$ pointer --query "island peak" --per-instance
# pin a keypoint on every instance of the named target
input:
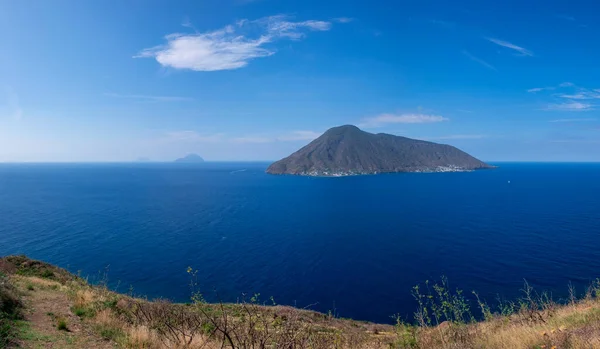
(191, 158)
(347, 150)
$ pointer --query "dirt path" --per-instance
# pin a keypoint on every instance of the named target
(46, 303)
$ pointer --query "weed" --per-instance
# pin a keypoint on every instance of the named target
(82, 311)
(61, 325)
(110, 333)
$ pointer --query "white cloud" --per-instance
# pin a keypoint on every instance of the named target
(522, 51)
(188, 24)
(574, 96)
(279, 27)
(384, 119)
(573, 120)
(343, 19)
(479, 60)
(574, 92)
(539, 89)
(231, 47)
(151, 98)
(582, 93)
(570, 106)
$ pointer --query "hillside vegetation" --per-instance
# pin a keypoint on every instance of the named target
(42, 306)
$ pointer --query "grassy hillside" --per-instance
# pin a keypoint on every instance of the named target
(42, 306)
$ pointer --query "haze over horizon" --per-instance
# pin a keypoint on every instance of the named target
(255, 80)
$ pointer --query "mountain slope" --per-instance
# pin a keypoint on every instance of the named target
(347, 150)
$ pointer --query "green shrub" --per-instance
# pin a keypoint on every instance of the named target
(109, 332)
(61, 325)
(111, 303)
(5, 331)
(10, 310)
(83, 312)
(48, 274)
(208, 328)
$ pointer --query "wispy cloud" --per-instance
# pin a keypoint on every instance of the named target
(385, 119)
(570, 106)
(188, 24)
(232, 47)
(577, 92)
(570, 97)
(566, 17)
(574, 120)
(581, 95)
(570, 91)
(343, 19)
(522, 51)
(151, 98)
(539, 89)
(478, 60)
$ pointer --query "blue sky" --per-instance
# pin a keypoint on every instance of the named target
(257, 79)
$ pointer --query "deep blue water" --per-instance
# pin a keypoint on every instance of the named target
(354, 244)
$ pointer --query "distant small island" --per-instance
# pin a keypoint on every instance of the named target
(191, 158)
(347, 150)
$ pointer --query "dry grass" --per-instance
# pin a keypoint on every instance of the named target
(40, 282)
(574, 326)
(534, 322)
(85, 297)
(141, 337)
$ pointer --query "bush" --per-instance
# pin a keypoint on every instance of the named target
(10, 310)
(61, 325)
(10, 304)
(83, 312)
(110, 333)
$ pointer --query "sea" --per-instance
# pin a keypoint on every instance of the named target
(352, 246)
